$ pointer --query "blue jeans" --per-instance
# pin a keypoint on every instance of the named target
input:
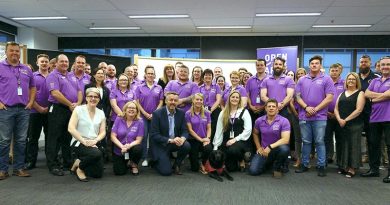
(313, 130)
(13, 123)
(145, 139)
(277, 157)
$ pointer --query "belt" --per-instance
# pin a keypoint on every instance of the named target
(19, 105)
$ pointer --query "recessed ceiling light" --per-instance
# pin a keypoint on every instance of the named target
(224, 27)
(40, 18)
(116, 28)
(342, 26)
(287, 14)
(161, 16)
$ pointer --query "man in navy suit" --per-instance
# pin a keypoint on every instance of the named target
(169, 134)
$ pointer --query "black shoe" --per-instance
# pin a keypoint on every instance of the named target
(321, 172)
(177, 170)
(57, 172)
(330, 161)
(370, 173)
(386, 179)
(30, 165)
(302, 169)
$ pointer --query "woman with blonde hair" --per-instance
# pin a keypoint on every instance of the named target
(199, 127)
(126, 135)
(235, 80)
(168, 75)
(234, 127)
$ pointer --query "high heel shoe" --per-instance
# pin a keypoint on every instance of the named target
(84, 179)
(134, 169)
(242, 166)
(74, 167)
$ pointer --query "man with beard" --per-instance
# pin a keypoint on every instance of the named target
(366, 76)
(278, 86)
(110, 81)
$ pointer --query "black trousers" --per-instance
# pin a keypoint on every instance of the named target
(163, 164)
(58, 137)
(332, 126)
(119, 162)
(37, 121)
(378, 129)
(196, 148)
(234, 154)
(91, 160)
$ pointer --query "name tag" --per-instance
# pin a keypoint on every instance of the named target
(20, 91)
(258, 100)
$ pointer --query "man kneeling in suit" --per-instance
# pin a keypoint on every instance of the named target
(169, 134)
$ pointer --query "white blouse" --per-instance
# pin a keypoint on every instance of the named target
(87, 127)
(246, 133)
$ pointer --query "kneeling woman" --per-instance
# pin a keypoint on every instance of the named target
(126, 135)
(87, 125)
(199, 126)
(234, 128)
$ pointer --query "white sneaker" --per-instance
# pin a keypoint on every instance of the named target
(145, 163)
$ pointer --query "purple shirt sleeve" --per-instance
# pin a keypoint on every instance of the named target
(194, 89)
(188, 117)
(371, 86)
(290, 83)
(285, 125)
(140, 128)
(329, 86)
(52, 83)
(116, 125)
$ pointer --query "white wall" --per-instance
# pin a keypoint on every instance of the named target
(37, 39)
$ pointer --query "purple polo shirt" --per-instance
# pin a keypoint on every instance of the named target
(9, 76)
(149, 98)
(110, 83)
(121, 99)
(270, 133)
(134, 85)
(199, 124)
(42, 93)
(210, 94)
(253, 87)
(227, 92)
(313, 91)
(66, 84)
(127, 135)
(338, 89)
(277, 88)
(84, 80)
(183, 89)
(380, 111)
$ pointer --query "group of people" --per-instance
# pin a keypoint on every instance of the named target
(133, 121)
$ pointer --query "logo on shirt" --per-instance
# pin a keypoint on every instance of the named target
(340, 87)
(275, 127)
(157, 91)
(387, 84)
(134, 129)
(24, 72)
(204, 119)
(130, 95)
(74, 79)
(51, 85)
(282, 82)
(85, 81)
(188, 86)
(319, 82)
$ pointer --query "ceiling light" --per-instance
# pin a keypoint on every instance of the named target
(116, 28)
(40, 18)
(224, 27)
(342, 26)
(287, 14)
(160, 16)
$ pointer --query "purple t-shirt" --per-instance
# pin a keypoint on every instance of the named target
(134, 85)
(253, 87)
(270, 133)
(66, 84)
(339, 88)
(380, 110)
(227, 92)
(199, 124)
(110, 83)
(149, 98)
(84, 80)
(42, 92)
(313, 91)
(127, 135)
(277, 88)
(183, 89)
(9, 76)
(210, 94)
(121, 99)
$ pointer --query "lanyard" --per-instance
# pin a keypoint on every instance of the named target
(234, 119)
(17, 74)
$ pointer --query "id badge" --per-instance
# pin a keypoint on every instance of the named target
(231, 134)
(258, 100)
(20, 91)
(51, 109)
(127, 156)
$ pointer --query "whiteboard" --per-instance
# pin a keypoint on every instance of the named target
(227, 65)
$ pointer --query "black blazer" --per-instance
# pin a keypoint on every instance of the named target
(159, 131)
(104, 104)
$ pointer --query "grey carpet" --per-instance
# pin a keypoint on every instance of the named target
(193, 188)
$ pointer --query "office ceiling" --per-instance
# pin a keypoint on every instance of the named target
(84, 14)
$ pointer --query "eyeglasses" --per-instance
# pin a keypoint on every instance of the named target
(93, 97)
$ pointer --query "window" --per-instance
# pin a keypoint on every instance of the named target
(129, 52)
(375, 55)
(5, 37)
(98, 51)
(331, 56)
(178, 53)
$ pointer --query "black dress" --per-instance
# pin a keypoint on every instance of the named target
(350, 133)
